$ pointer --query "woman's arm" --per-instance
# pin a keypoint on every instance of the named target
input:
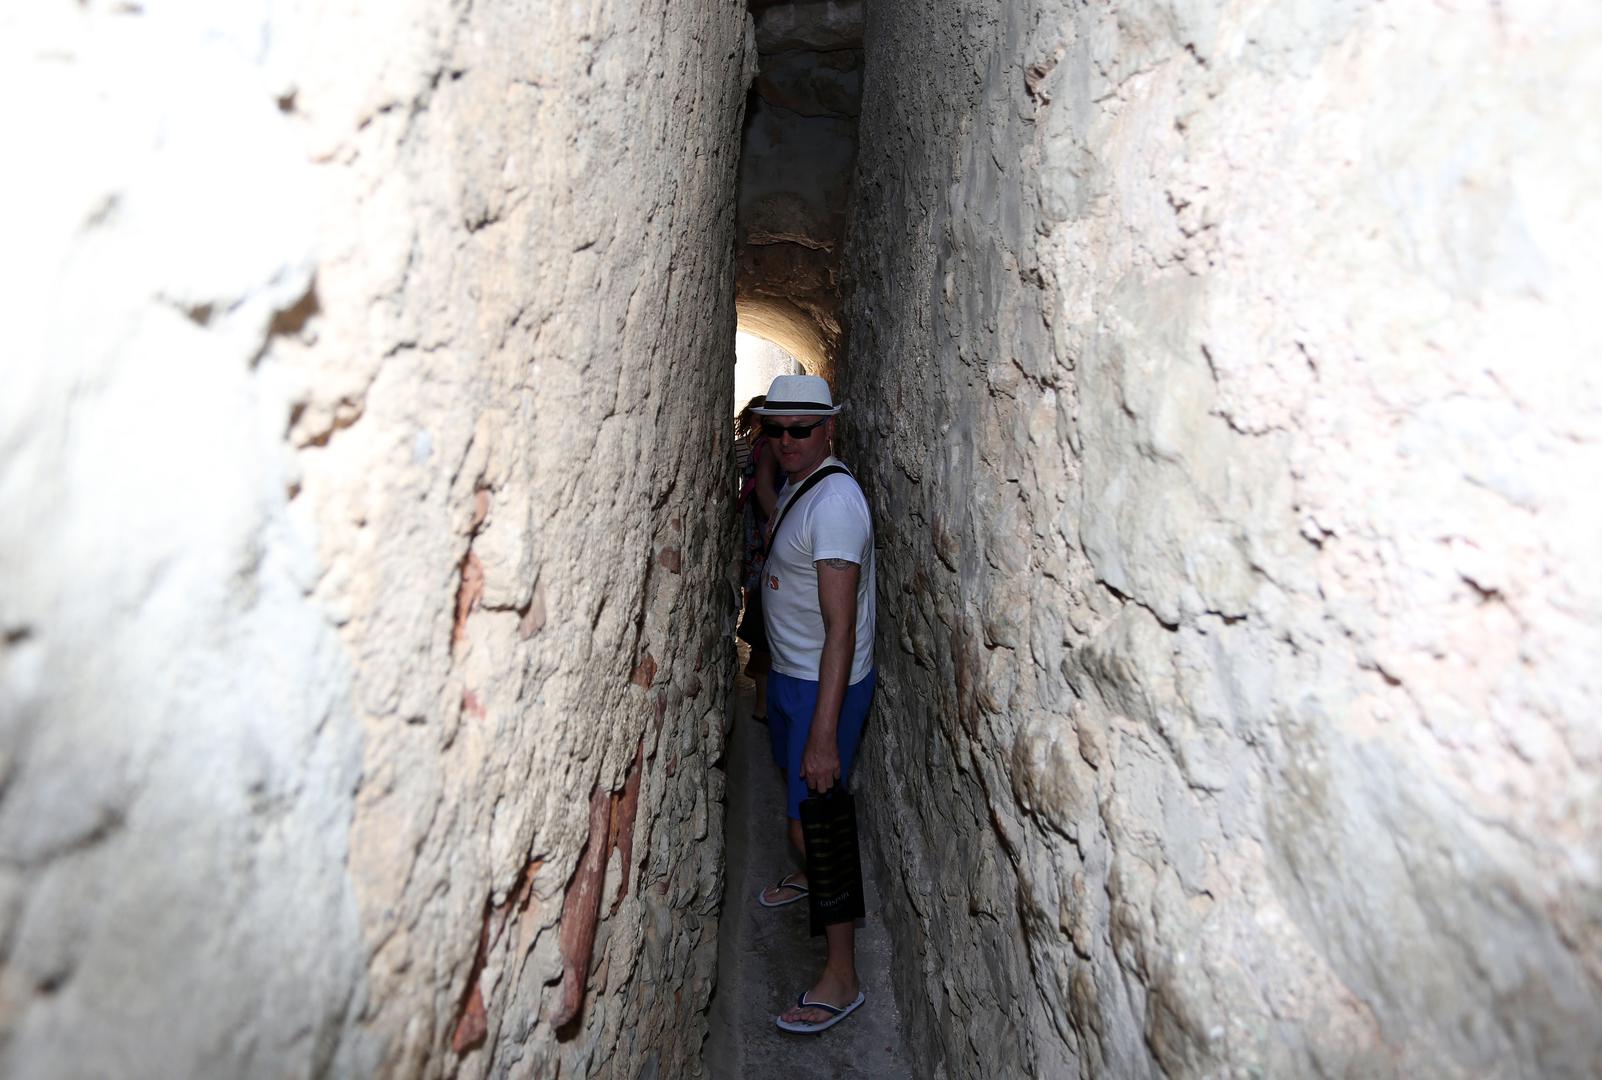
(767, 472)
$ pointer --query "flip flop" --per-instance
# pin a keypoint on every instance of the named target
(837, 1014)
(801, 892)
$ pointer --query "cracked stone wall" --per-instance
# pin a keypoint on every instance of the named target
(364, 453)
(1224, 377)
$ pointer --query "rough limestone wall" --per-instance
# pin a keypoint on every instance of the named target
(1224, 379)
(364, 428)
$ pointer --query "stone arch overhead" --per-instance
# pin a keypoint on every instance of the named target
(788, 326)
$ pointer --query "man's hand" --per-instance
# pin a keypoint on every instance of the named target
(820, 764)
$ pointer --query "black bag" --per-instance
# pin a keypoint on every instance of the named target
(834, 865)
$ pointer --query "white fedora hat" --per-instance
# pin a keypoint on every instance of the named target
(798, 395)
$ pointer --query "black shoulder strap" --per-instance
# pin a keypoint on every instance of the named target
(806, 486)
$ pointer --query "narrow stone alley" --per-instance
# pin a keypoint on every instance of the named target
(1221, 383)
(765, 955)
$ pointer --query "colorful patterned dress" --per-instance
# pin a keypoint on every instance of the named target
(753, 520)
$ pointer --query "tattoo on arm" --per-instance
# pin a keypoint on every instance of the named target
(837, 564)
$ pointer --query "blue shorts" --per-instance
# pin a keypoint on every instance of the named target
(790, 705)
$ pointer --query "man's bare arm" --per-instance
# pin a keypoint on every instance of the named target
(837, 600)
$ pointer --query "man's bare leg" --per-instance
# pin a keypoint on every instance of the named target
(757, 666)
(838, 984)
(773, 894)
(761, 680)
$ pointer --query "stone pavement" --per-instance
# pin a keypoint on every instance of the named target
(765, 956)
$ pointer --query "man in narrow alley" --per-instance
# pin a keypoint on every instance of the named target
(819, 607)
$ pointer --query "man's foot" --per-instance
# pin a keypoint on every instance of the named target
(790, 888)
(822, 1007)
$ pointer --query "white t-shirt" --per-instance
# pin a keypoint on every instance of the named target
(830, 522)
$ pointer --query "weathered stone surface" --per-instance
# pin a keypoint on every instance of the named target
(819, 25)
(1224, 384)
(363, 365)
(813, 84)
(795, 178)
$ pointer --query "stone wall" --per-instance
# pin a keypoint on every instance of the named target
(1223, 376)
(364, 637)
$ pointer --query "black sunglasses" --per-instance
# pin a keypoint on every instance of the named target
(795, 431)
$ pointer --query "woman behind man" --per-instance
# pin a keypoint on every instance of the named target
(758, 496)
